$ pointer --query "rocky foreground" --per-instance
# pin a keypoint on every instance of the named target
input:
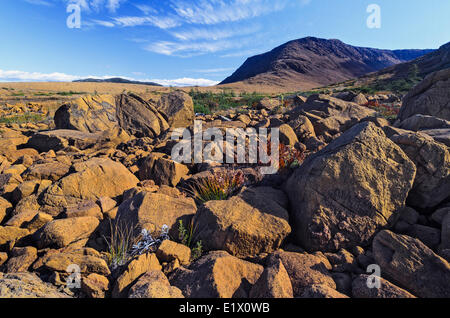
(362, 191)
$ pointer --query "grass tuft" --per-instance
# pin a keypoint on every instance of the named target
(120, 243)
(219, 186)
(186, 236)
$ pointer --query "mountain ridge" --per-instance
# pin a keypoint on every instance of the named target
(313, 62)
(115, 80)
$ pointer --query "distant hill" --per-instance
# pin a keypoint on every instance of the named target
(404, 76)
(116, 80)
(312, 62)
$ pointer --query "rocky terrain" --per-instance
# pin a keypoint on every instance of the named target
(92, 204)
(312, 62)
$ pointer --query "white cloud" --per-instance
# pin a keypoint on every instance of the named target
(97, 5)
(218, 11)
(214, 33)
(21, 76)
(104, 23)
(146, 9)
(188, 49)
(186, 81)
(245, 53)
(160, 22)
(40, 2)
(214, 70)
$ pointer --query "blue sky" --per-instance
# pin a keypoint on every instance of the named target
(179, 42)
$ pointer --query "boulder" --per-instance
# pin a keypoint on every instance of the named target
(253, 222)
(432, 160)
(88, 114)
(217, 275)
(360, 289)
(268, 103)
(161, 169)
(169, 251)
(106, 204)
(11, 233)
(331, 116)
(274, 282)
(423, 122)
(342, 195)
(46, 171)
(5, 208)
(360, 99)
(92, 180)
(321, 291)
(428, 235)
(154, 284)
(153, 210)
(38, 221)
(302, 127)
(134, 270)
(95, 285)
(21, 259)
(138, 117)
(27, 285)
(62, 232)
(287, 135)
(64, 138)
(445, 233)
(304, 270)
(430, 97)
(178, 107)
(8, 183)
(85, 208)
(3, 258)
(60, 261)
(21, 219)
(439, 135)
(24, 190)
(412, 265)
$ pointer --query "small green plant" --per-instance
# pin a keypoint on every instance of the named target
(197, 251)
(219, 186)
(22, 119)
(70, 93)
(186, 236)
(120, 243)
(18, 94)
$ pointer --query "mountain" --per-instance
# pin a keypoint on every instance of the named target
(404, 76)
(312, 62)
(116, 80)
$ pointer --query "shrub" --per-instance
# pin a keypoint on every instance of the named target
(383, 110)
(209, 102)
(290, 157)
(219, 186)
